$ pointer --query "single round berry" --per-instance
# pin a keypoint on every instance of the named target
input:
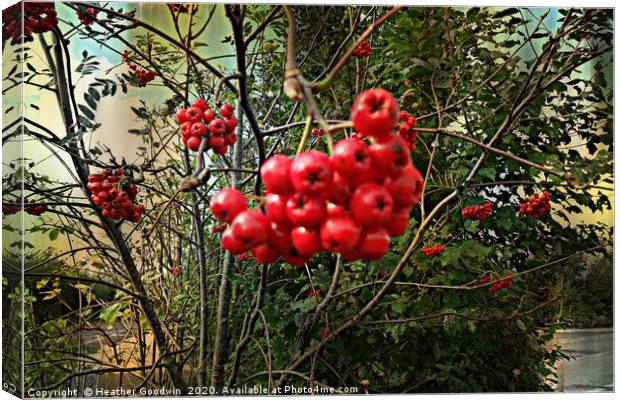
(339, 233)
(275, 174)
(275, 207)
(201, 103)
(374, 243)
(375, 112)
(340, 190)
(199, 129)
(194, 114)
(216, 141)
(217, 127)
(264, 254)
(305, 210)
(251, 228)
(182, 115)
(390, 155)
(232, 244)
(398, 222)
(311, 172)
(371, 204)
(193, 143)
(306, 241)
(406, 188)
(280, 238)
(351, 158)
(209, 115)
(227, 204)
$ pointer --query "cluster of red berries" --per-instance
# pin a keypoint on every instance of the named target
(363, 50)
(314, 293)
(536, 205)
(479, 212)
(495, 286)
(323, 333)
(434, 250)
(30, 207)
(39, 17)
(317, 131)
(220, 132)
(89, 15)
(144, 76)
(351, 203)
(407, 129)
(179, 7)
(176, 271)
(115, 194)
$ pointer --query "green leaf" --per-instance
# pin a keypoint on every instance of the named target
(110, 314)
(54, 234)
(489, 173)
(86, 111)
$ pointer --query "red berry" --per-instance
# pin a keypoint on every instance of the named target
(182, 116)
(306, 241)
(221, 150)
(374, 243)
(201, 103)
(209, 115)
(217, 127)
(227, 110)
(227, 204)
(305, 210)
(194, 114)
(251, 228)
(371, 204)
(275, 174)
(390, 155)
(230, 138)
(186, 129)
(398, 222)
(351, 157)
(340, 233)
(216, 141)
(406, 188)
(232, 244)
(193, 143)
(264, 254)
(231, 124)
(340, 190)
(275, 207)
(311, 172)
(199, 129)
(403, 116)
(280, 238)
(375, 112)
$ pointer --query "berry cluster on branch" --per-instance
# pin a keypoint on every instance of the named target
(478, 212)
(407, 129)
(536, 205)
(364, 50)
(115, 194)
(199, 120)
(143, 76)
(29, 206)
(88, 16)
(39, 17)
(434, 250)
(495, 286)
(350, 203)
